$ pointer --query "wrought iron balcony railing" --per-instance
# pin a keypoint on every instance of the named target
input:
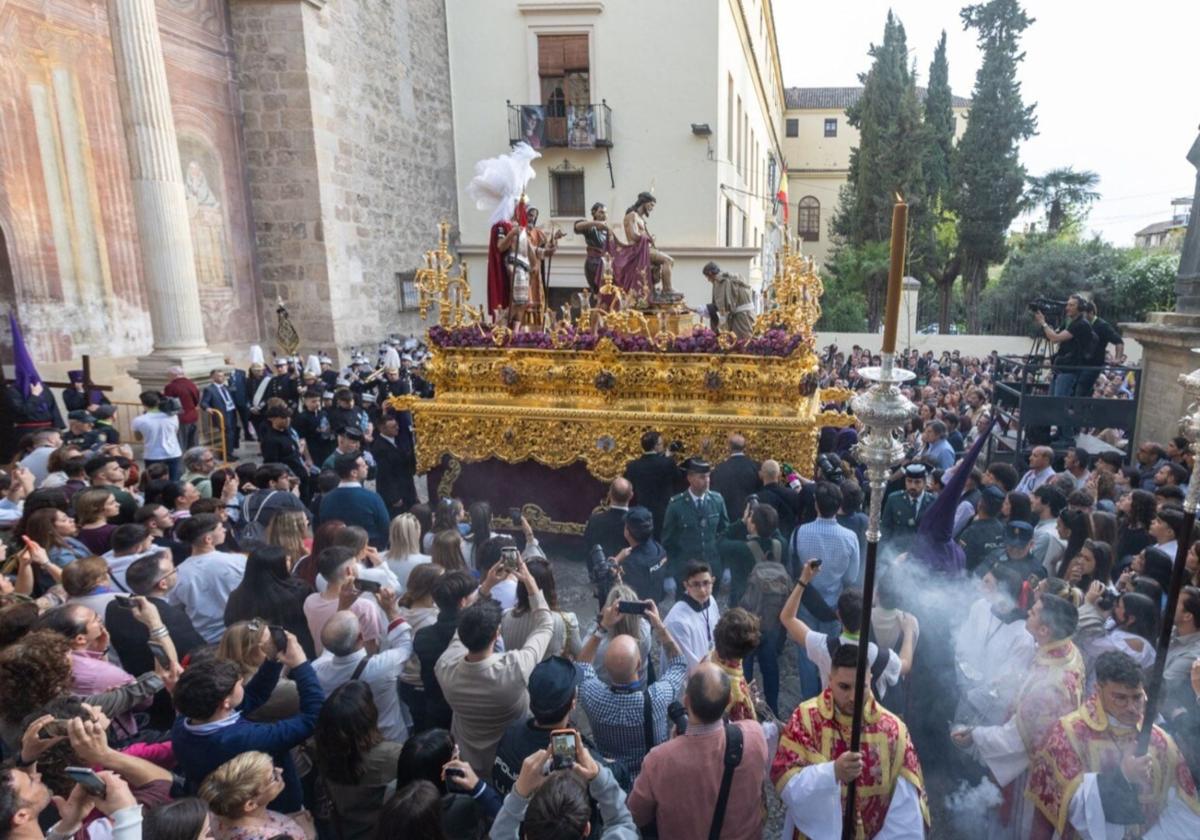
(557, 125)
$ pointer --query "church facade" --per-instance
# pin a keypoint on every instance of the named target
(312, 159)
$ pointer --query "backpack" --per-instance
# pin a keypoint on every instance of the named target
(878, 665)
(252, 529)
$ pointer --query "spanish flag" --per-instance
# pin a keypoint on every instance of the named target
(781, 195)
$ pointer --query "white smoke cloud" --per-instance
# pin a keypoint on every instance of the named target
(967, 808)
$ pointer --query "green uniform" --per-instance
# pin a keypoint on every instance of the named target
(691, 530)
(981, 539)
(901, 515)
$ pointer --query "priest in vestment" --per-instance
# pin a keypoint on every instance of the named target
(1087, 782)
(1053, 687)
(813, 764)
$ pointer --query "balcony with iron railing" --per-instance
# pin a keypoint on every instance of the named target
(560, 126)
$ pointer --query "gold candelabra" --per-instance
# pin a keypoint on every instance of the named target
(795, 294)
(436, 285)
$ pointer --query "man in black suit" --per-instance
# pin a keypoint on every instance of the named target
(396, 465)
(736, 477)
(789, 504)
(606, 527)
(654, 477)
(236, 378)
(218, 395)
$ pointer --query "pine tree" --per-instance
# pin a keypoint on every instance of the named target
(987, 171)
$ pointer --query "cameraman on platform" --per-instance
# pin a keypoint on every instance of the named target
(1105, 334)
(1075, 341)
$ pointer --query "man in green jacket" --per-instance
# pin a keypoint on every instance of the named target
(694, 521)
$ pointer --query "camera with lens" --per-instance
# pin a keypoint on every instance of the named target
(1054, 310)
(678, 715)
(601, 571)
(1108, 599)
(829, 467)
(170, 405)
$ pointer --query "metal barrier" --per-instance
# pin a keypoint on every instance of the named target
(210, 432)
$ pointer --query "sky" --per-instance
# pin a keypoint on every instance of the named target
(1116, 85)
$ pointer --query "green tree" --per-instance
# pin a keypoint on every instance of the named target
(1064, 194)
(888, 158)
(937, 250)
(853, 275)
(987, 172)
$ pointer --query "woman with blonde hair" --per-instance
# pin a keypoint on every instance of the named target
(628, 624)
(289, 530)
(245, 643)
(238, 792)
(404, 548)
(447, 551)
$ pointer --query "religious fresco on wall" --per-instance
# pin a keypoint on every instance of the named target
(202, 183)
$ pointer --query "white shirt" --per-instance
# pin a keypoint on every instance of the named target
(378, 574)
(817, 648)
(38, 463)
(403, 568)
(160, 433)
(813, 798)
(380, 674)
(205, 582)
(10, 511)
(1033, 480)
(692, 630)
(993, 655)
(118, 566)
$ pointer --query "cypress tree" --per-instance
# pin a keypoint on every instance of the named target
(986, 167)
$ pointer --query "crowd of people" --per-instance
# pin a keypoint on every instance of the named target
(293, 644)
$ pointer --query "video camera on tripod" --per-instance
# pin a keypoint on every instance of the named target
(1054, 310)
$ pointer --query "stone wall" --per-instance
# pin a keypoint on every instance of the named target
(350, 156)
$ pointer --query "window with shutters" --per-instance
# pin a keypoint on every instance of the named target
(564, 72)
(808, 219)
(793, 127)
(566, 192)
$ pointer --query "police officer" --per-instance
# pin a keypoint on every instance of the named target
(902, 511)
(695, 519)
(82, 430)
(984, 534)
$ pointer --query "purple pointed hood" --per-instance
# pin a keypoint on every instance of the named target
(24, 372)
(935, 546)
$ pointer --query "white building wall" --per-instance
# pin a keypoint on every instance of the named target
(661, 67)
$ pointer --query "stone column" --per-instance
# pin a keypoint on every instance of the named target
(160, 204)
(1167, 338)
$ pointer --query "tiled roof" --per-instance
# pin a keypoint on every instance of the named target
(1160, 227)
(840, 98)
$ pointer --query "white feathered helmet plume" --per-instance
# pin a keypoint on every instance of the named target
(500, 181)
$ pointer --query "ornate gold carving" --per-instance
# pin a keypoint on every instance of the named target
(445, 488)
(795, 295)
(540, 521)
(435, 284)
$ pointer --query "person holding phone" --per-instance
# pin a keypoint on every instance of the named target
(488, 690)
(616, 709)
(212, 728)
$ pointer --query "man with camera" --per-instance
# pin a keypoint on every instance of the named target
(628, 718)
(1074, 342)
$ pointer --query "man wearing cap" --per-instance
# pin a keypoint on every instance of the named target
(552, 698)
(80, 431)
(903, 509)
(350, 441)
(104, 424)
(643, 561)
(312, 424)
(694, 521)
(344, 413)
(217, 396)
(984, 534)
(184, 390)
(281, 445)
(282, 384)
(1018, 550)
